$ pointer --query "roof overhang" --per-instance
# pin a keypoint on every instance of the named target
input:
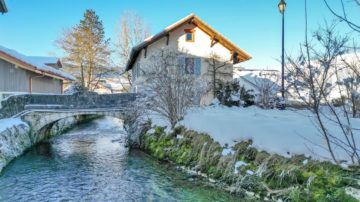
(193, 19)
(3, 8)
(29, 67)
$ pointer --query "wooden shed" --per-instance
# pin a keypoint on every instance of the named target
(20, 74)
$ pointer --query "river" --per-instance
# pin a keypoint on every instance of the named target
(92, 163)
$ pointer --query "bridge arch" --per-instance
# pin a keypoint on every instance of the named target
(42, 111)
(41, 121)
(38, 119)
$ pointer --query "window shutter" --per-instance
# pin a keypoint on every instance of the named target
(197, 66)
(181, 61)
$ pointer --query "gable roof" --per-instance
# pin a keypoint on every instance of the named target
(40, 65)
(45, 60)
(253, 77)
(3, 8)
(192, 18)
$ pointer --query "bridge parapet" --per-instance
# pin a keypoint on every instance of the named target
(19, 103)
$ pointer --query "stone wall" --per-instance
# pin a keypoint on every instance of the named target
(16, 104)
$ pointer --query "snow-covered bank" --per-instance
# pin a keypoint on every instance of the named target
(8, 123)
(249, 172)
(14, 139)
(16, 136)
(287, 132)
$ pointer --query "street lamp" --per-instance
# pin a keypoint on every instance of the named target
(282, 7)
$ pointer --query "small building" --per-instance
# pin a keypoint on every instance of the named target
(254, 79)
(113, 82)
(3, 8)
(20, 74)
(198, 42)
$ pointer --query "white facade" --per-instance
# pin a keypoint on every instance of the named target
(201, 49)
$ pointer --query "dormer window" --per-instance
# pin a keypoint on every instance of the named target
(190, 35)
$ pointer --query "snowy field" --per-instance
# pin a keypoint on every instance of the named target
(286, 132)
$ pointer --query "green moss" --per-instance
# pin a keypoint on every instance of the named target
(242, 146)
(214, 172)
(213, 153)
(178, 130)
(298, 159)
(340, 195)
(298, 194)
(182, 155)
(314, 181)
(250, 154)
(159, 131)
(261, 157)
(252, 183)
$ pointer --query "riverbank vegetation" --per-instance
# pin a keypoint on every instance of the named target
(245, 169)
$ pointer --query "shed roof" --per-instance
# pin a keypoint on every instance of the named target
(36, 64)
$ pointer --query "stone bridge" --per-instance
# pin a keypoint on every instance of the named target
(42, 110)
(49, 115)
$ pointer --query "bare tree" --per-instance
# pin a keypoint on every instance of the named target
(218, 68)
(312, 77)
(349, 86)
(352, 67)
(343, 15)
(131, 31)
(349, 80)
(169, 90)
(267, 84)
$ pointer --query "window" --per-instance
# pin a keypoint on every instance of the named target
(235, 58)
(190, 35)
(190, 65)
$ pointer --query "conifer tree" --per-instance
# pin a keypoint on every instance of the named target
(87, 49)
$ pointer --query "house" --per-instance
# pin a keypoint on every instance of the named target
(264, 84)
(106, 79)
(254, 79)
(3, 8)
(197, 41)
(20, 74)
(113, 82)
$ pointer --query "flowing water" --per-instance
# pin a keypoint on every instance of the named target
(92, 163)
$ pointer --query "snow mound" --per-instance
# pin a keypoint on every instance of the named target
(283, 132)
(9, 123)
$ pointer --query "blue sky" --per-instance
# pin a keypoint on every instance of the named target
(32, 26)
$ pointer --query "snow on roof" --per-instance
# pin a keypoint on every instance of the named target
(39, 63)
(44, 60)
(240, 71)
(251, 78)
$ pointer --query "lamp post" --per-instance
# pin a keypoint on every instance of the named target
(282, 7)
